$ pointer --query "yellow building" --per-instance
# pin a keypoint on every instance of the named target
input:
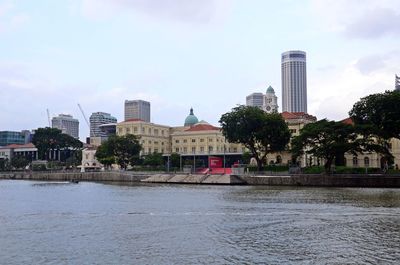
(153, 137)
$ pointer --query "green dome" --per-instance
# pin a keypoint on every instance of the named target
(191, 119)
(270, 90)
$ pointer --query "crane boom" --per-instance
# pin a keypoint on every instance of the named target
(48, 117)
(87, 121)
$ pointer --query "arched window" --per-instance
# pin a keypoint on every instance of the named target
(355, 161)
(278, 159)
(366, 161)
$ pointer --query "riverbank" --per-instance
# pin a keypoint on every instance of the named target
(370, 181)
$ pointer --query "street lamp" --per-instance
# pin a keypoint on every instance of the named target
(224, 159)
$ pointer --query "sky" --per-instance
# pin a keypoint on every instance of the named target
(178, 54)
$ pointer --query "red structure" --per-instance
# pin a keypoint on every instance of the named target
(215, 162)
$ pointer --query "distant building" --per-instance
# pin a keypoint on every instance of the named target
(294, 81)
(137, 109)
(255, 100)
(11, 137)
(67, 124)
(97, 119)
(397, 83)
(267, 102)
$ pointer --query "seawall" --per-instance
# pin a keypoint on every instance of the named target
(368, 181)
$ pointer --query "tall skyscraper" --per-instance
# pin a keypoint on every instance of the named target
(137, 109)
(255, 100)
(397, 83)
(294, 81)
(97, 119)
(67, 124)
(268, 102)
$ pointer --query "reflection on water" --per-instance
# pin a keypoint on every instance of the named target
(93, 223)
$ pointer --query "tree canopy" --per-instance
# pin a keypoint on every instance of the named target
(379, 114)
(124, 150)
(258, 131)
(46, 139)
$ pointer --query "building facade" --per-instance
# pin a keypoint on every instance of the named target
(255, 100)
(96, 120)
(397, 83)
(11, 137)
(268, 102)
(137, 109)
(67, 124)
(294, 81)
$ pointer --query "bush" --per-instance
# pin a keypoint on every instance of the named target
(39, 167)
(313, 170)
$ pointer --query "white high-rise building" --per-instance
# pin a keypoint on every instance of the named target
(267, 102)
(397, 83)
(137, 109)
(294, 81)
(97, 119)
(67, 124)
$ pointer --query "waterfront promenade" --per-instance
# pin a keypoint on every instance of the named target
(317, 180)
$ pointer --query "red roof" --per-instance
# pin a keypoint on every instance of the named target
(202, 127)
(348, 121)
(297, 115)
(28, 145)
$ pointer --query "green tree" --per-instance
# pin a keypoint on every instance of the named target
(154, 159)
(19, 162)
(175, 160)
(328, 140)
(124, 150)
(378, 114)
(261, 133)
(46, 139)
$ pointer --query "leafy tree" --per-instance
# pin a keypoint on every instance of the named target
(328, 140)
(5, 164)
(246, 157)
(175, 160)
(19, 162)
(124, 150)
(46, 139)
(259, 132)
(379, 114)
(154, 159)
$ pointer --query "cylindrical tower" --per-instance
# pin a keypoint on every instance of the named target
(294, 81)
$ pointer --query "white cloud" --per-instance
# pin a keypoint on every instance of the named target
(332, 93)
(188, 11)
(359, 18)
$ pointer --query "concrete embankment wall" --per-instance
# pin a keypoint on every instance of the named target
(371, 181)
(67, 176)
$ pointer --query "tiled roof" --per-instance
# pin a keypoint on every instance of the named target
(348, 121)
(202, 127)
(13, 146)
(297, 115)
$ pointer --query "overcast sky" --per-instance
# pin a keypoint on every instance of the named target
(177, 54)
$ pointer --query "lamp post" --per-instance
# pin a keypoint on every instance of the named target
(224, 159)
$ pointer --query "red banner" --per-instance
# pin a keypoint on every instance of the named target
(215, 162)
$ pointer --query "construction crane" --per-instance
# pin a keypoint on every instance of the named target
(48, 117)
(87, 121)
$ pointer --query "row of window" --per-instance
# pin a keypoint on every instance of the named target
(150, 131)
(210, 140)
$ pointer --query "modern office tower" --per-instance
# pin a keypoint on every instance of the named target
(255, 100)
(294, 81)
(270, 101)
(10, 137)
(397, 83)
(137, 109)
(97, 119)
(67, 124)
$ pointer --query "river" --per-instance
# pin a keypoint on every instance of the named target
(95, 223)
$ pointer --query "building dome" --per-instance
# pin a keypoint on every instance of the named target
(270, 90)
(191, 119)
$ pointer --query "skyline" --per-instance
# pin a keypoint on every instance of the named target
(208, 55)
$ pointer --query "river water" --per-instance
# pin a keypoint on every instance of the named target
(95, 223)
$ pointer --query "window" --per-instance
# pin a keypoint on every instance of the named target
(155, 142)
(185, 141)
(177, 141)
(366, 161)
(210, 149)
(210, 140)
(155, 150)
(149, 141)
(177, 150)
(201, 140)
(149, 130)
(202, 149)
(185, 149)
(235, 150)
(162, 143)
(355, 161)
(135, 129)
(162, 132)
(155, 131)
(193, 140)
(193, 149)
(128, 130)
